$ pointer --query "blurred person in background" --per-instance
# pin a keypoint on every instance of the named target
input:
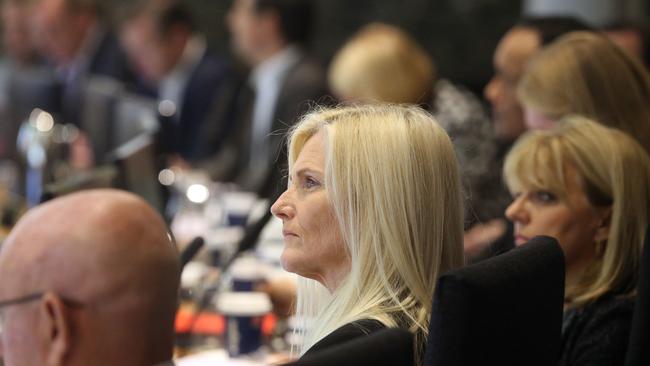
(585, 73)
(76, 40)
(97, 290)
(270, 37)
(514, 50)
(382, 63)
(632, 37)
(17, 35)
(588, 186)
(74, 36)
(20, 65)
(172, 58)
(25, 83)
(371, 216)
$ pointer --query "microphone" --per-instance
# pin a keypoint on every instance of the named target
(249, 241)
(191, 250)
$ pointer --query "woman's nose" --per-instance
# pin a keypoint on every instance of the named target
(516, 212)
(282, 208)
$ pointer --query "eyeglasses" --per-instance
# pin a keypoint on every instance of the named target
(17, 301)
(27, 299)
(22, 300)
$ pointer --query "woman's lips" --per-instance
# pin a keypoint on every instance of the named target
(288, 234)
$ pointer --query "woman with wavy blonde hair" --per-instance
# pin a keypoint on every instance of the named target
(585, 73)
(588, 186)
(371, 217)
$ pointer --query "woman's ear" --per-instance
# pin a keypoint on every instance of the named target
(55, 329)
(602, 232)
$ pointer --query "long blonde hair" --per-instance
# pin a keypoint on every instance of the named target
(392, 178)
(585, 73)
(614, 170)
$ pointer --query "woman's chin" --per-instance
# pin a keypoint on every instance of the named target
(293, 260)
(288, 260)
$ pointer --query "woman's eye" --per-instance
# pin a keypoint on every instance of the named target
(544, 196)
(310, 183)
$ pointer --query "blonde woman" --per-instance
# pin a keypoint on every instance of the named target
(585, 73)
(588, 186)
(371, 217)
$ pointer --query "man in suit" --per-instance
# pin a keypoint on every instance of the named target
(172, 58)
(269, 36)
(19, 62)
(517, 46)
(26, 83)
(99, 289)
(75, 39)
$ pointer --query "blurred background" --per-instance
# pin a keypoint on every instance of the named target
(451, 30)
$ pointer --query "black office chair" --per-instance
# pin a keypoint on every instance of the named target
(389, 347)
(506, 310)
(638, 350)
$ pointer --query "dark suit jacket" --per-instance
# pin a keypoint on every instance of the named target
(304, 85)
(107, 59)
(205, 83)
(346, 333)
(365, 342)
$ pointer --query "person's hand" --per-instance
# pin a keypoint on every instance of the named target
(480, 236)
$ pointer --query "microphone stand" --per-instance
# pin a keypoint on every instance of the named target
(209, 293)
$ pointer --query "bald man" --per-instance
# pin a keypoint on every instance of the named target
(95, 279)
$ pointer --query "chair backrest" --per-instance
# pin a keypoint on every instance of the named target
(506, 310)
(390, 347)
(638, 350)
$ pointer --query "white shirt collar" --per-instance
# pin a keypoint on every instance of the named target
(274, 69)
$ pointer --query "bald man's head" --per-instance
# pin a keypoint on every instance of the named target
(110, 275)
